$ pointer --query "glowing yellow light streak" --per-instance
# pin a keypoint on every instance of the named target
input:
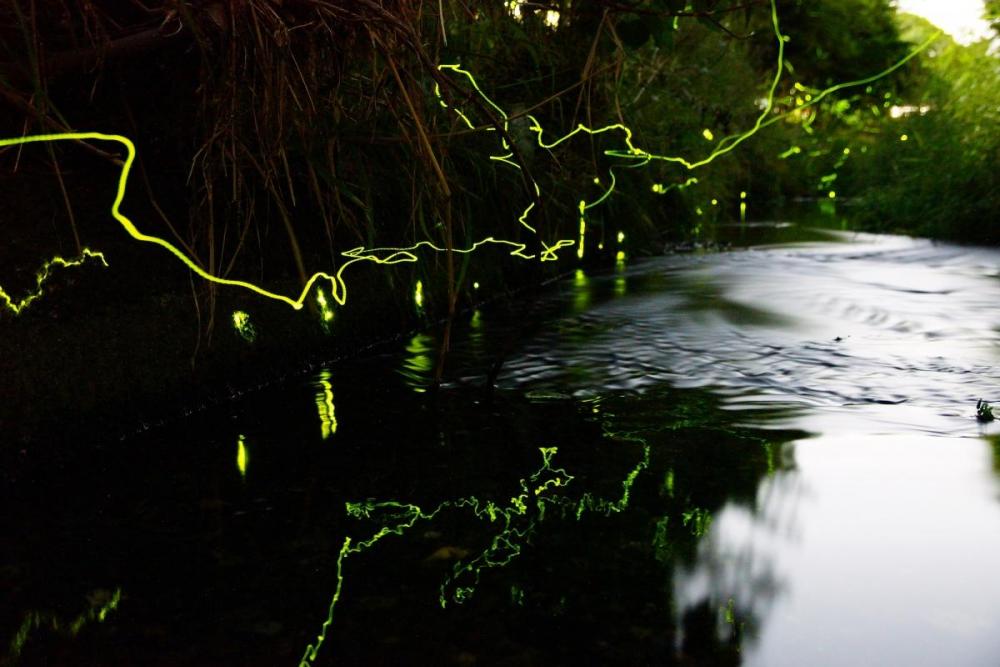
(325, 312)
(241, 456)
(637, 156)
(42, 276)
(418, 295)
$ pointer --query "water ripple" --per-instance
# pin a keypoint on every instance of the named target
(876, 321)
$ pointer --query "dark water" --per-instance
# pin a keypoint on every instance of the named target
(761, 457)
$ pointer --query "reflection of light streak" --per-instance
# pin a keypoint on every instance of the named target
(518, 519)
(98, 612)
(418, 364)
(324, 404)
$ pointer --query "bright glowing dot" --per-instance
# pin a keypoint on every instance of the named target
(600, 246)
(743, 195)
(246, 330)
(847, 151)
(552, 19)
(620, 256)
(699, 211)
(904, 137)
(475, 285)
(597, 181)
(715, 202)
(621, 237)
(418, 295)
(707, 133)
(832, 194)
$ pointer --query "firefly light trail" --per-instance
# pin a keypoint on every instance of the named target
(43, 276)
(396, 255)
(518, 520)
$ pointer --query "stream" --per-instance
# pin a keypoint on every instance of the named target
(766, 456)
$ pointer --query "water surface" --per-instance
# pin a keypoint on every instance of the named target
(766, 456)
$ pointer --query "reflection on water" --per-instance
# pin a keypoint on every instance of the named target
(765, 457)
(324, 404)
(882, 544)
(418, 365)
(884, 549)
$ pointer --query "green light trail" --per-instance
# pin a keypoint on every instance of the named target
(43, 275)
(102, 603)
(517, 520)
(388, 256)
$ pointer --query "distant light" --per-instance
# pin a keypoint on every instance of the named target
(475, 285)
(900, 110)
(831, 194)
(621, 237)
(707, 133)
(904, 137)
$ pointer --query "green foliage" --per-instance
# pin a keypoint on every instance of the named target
(942, 179)
(992, 14)
(839, 40)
